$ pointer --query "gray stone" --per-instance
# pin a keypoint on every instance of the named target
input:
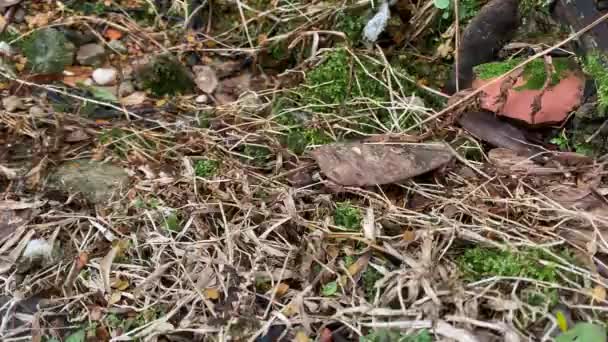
(126, 88)
(5, 48)
(96, 182)
(91, 54)
(12, 103)
(19, 17)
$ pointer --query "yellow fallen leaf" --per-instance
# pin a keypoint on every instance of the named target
(282, 289)
(290, 310)
(121, 284)
(160, 103)
(409, 235)
(302, 337)
(562, 322)
(212, 293)
(114, 297)
(598, 293)
(359, 265)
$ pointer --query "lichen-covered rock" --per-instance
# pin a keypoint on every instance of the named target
(96, 182)
(48, 51)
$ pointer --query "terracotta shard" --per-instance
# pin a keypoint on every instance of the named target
(356, 164)
(556, 103)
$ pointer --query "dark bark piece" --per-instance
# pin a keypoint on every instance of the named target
(487, 127)
(482, 39)
(356, 164)
(577, 14)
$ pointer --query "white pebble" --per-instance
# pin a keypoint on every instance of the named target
(105, 76)
(201, 99)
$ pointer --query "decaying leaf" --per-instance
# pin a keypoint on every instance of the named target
(134, 99)
(205, 78)
(487, 127)
(356, 164)
(73, 75)
(359, 265)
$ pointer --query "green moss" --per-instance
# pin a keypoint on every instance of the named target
(206, 168)
(351, 25)
(299, 139)
(478, 263)
(385, 335)
(595, 65)
(347, 216)
(534, 74)
(333, 81)
(260, 154)
(527, 6)
(370, 276)
(165, 75)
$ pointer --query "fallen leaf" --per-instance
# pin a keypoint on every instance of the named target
(598, 293)
(73, 75)
(356, 164)
(212, 293)
(76, 135)
(369, 225)
(114, 298)
(134, 99)
(102, 94)
(359, 265)
(282, 289)
(301, 336)
(112, 34)
(487, 127)
(409, 236)
(583, 332)
(205, 78)
(121, 284)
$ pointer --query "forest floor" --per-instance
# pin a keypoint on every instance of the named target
(175, 197)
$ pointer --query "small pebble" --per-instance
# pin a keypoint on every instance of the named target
(90, 54)
(12, 103)
(5, 48)
(105, 76)
(201, 99)
(19, 16)
(36, 111)
(126, 88)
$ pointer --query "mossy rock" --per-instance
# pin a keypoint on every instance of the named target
(97, 182)
(165, 75)
(48, 51)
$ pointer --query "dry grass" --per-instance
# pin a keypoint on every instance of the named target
(227, 255)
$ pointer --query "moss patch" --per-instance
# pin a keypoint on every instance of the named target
(165, 75)
(347, 216)
(478, 263)
(534, 74)
(595, 65)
